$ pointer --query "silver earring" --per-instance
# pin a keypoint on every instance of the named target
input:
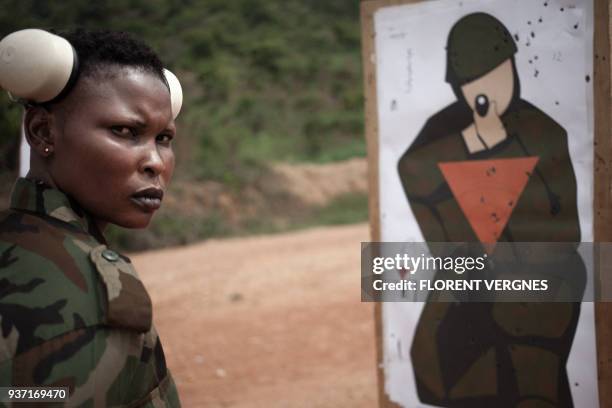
(47, 150)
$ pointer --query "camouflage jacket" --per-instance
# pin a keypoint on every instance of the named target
(73, 313)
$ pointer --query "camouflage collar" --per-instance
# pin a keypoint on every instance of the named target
(39, 198)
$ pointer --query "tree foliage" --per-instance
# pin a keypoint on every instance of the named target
(263, 79)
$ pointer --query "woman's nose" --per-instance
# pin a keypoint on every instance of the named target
(152, 163)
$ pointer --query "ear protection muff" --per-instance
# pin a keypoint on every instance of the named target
(176, 92)
(37, 66)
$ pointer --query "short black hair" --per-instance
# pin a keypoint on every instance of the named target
(98, 50)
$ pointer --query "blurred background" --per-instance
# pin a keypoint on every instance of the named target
(253, 261)
(269, 87)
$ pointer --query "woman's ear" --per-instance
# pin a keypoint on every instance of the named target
(38, 125)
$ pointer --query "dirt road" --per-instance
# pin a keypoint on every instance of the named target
(267, 321)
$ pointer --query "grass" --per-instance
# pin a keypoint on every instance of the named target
(179, 230)
(346, 209)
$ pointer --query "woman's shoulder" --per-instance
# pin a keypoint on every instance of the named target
(44, 275)
(55, 277)
(70, 308)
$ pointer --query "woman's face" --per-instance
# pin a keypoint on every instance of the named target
(112, 145)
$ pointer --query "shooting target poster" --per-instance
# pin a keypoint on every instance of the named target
(483, 118)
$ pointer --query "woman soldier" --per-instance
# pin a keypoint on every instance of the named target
(73, 312)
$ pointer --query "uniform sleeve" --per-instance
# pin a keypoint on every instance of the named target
(101, 366)
(554, 216)
(431, 201)
(561, 180)
(421, 195)
(99, 342)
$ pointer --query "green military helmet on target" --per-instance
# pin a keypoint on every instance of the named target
(476, 44)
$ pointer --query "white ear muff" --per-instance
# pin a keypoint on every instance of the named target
(176, 92)
(36, 65)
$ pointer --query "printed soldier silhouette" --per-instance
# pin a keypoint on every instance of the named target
(489, 168)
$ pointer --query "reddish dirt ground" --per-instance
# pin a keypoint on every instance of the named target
(266, 321)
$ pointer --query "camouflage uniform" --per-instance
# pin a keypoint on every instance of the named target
(73, 312)
(493, 354)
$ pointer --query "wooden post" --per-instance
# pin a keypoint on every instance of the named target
(602, 190)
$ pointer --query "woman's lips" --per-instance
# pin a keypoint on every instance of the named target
(149, 199)
(147, 203)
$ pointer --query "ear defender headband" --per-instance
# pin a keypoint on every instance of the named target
(38, 67)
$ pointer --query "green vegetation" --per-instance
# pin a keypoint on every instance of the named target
(168, 230)
(264, 80)
(172, 230)
(346, 209)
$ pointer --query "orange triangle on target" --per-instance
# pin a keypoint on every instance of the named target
(487, 191)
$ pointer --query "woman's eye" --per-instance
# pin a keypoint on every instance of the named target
(123, 131)
(165, 138)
